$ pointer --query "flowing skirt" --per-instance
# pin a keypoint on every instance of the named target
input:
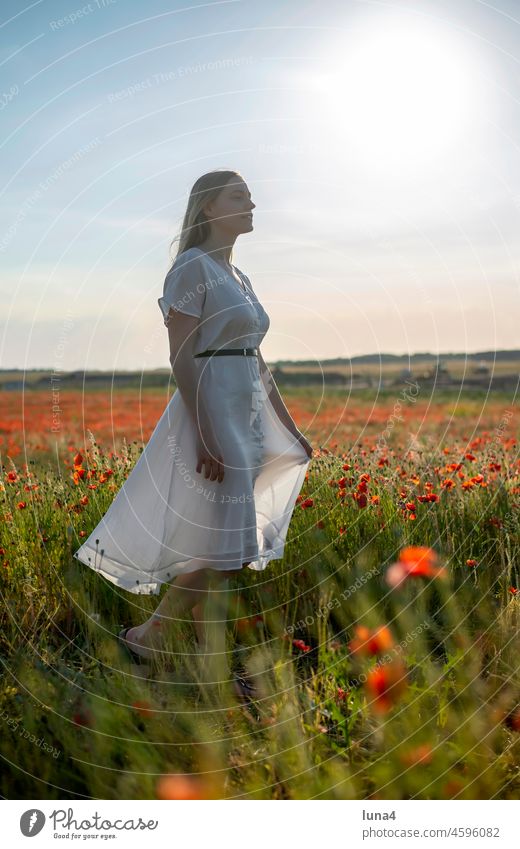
(168, 519)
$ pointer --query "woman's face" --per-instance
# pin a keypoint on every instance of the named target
(231, 211)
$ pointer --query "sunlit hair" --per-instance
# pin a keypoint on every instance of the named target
(195, 226)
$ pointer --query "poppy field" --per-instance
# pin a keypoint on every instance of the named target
(383, 647)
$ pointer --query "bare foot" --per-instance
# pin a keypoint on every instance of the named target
(136, 646)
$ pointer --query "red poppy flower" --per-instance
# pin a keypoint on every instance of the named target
(183, 787)
(421, 754)
(371, 642)
(144, 708)
(385, 684)
(415, 561)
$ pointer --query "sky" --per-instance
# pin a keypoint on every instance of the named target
(379, 141)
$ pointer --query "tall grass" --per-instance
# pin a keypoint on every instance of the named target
(367, 687)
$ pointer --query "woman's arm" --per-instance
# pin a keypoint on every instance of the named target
(182, 335)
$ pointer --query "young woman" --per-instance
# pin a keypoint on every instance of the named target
(216, 485)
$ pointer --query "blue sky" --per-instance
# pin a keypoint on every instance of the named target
(379, 142)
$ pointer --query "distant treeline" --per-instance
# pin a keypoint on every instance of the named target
(408, 359)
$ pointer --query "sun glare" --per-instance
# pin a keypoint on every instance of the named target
(397, 97)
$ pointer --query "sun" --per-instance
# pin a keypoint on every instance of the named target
(398, 96)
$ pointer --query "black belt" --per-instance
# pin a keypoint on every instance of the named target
(246, 352)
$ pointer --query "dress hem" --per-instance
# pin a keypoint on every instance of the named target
(153, 587)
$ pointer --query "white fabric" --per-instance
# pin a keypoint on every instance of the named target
(167, 518)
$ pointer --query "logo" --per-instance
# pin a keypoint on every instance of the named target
(32, 822)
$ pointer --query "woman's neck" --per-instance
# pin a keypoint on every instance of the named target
(220, 253)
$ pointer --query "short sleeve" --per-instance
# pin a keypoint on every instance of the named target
(184, 286)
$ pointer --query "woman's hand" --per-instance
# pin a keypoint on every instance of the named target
(305, 442)
(209, 454)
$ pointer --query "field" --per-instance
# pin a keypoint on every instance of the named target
(383, 647)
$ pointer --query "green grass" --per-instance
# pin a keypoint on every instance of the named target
(79, 722)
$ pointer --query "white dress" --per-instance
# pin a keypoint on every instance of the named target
(167, 518)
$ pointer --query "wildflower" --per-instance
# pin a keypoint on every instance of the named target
(427, 497)
(183, 787)
(341, 694)
(410, 506)
(144, 708)
(369, 642)
(384, 684)
(300, 644)
(83, 717)
(471, 562)
(421, 754)
(307, 503)
(22, 505)
(361, 499)
(495, 521)
(414, 561)
(452, 788)
(513, 590)
(447, 483)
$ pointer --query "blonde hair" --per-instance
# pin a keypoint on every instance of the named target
(195, 226)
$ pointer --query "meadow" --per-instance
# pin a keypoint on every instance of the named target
(383, 647)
